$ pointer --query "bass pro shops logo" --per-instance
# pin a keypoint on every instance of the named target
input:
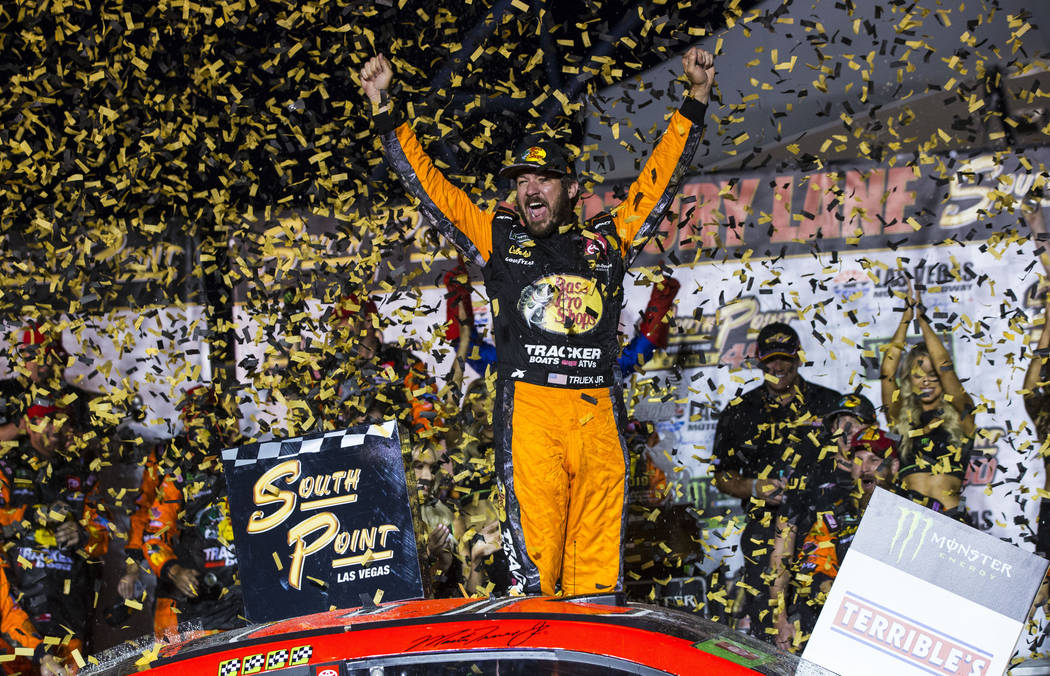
(561, 304)
(534, 154)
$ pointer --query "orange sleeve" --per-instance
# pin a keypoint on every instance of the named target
(14, 623)
(162, 528)
(422, 394)
(820, 555)
(8, 514)
(649, 196)
(446, 206)
(147, 494)
(98, 533)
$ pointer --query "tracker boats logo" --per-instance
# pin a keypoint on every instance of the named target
(564, 355)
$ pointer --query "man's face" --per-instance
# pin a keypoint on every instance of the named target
(425, 466)
(544, 201)
(40, 365)
(869, 470)
(784, 372)
(368, 346)
(843, 429)
(47, 434)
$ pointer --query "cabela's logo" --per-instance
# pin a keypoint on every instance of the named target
(561, 304)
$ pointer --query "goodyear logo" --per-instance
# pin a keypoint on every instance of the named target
(561, 304)
(851, 401)
(910, 535)
(780, 338)
(534, 154)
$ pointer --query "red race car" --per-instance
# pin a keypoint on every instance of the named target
(577, 636)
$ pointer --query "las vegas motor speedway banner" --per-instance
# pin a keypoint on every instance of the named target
(323, 521)
(919, 593)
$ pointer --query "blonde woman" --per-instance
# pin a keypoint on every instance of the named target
(927, 406)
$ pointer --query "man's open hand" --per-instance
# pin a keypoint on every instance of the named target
(375, 78)
(68, 534)
(699, 67)
(186, 580)
(51, 666)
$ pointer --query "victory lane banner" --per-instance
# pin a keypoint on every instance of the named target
(920, 593)
(322, 521)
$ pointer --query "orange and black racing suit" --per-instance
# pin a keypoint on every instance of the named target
(140, 518)
(190, 526)
(57, 582)
(560, 456)
(16, 631)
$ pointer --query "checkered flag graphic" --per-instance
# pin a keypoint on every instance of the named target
(277, 658)
(230, 667)
(253, 664)
(249, 454)
(300, 655)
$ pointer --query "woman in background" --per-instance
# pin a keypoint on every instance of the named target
(928, 408)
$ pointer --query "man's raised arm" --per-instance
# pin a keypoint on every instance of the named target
(375, 80)
(446, 206)
(651, 193)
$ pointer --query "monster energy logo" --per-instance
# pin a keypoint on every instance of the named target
(908, 523)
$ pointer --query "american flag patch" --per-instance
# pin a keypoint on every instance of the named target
(557, 379)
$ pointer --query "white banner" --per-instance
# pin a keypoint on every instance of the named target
(919, 593)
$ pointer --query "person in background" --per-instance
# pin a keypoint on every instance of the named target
(1036, 393)
(41, 361)
(17, 632)
(485, 565)
(54, 533)
(439, 565)
(764, 450)
(801, 585)
(188, 542)
(928, 408)
(128, 586)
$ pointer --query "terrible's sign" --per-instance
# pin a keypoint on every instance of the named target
(920, 593)
(322, 521)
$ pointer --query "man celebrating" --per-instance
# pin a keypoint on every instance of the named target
(556, 288)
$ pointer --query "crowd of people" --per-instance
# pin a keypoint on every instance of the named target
(802, 458)
(513, 498)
